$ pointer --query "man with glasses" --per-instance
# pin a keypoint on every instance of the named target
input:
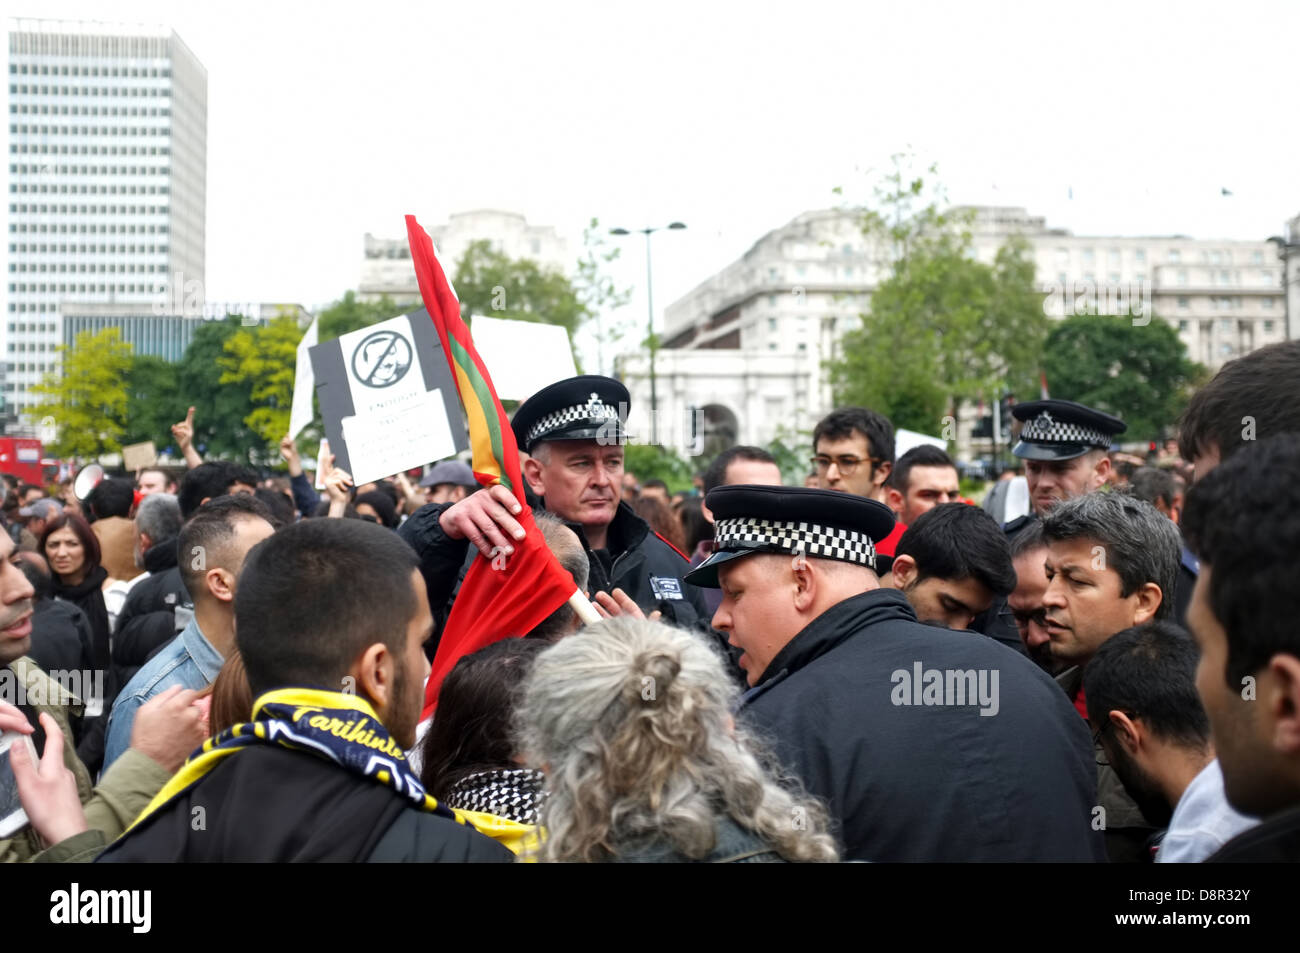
(853, 452)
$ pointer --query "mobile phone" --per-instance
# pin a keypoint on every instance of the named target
(12, 816)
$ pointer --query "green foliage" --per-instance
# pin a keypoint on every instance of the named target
(597, 290)
(943, 327)
(491, 283)
(87, 400)
(154, 401)
(349, 314)
(264, 359)
(1139, 372)
(650, 462)
(792, 450)
(221, 409)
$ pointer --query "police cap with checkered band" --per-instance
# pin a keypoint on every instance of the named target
(589, 407)
(1063, 430)
(824, 524)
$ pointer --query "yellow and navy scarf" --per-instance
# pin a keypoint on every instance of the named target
(332, 725)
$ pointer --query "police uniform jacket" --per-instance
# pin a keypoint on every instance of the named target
(908, 781)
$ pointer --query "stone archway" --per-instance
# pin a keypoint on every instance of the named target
(718, 428)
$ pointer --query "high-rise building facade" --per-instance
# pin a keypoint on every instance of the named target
(107, 181)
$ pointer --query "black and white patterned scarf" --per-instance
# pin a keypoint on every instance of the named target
(512, 793)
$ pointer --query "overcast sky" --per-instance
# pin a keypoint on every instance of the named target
(327, 120)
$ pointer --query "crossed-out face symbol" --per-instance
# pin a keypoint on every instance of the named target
(381, 359)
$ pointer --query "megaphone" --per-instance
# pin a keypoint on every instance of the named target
(90, 477)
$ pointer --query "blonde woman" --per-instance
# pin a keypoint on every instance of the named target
(631, 722)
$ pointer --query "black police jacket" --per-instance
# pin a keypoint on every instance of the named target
(637, 561)
(988, 763)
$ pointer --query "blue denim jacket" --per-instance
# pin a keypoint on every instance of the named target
(189, 660)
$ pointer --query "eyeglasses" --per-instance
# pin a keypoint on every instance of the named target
(846, 465)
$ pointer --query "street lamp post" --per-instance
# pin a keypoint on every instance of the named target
(649, 295)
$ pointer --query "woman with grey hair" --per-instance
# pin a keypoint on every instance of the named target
(631, 721)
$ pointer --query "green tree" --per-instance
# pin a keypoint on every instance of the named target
(153, 400)
(221, 408)
(792, 450)
(597, 291)
(87, 400)
(264, 359)
(1133, 367)
(943, 327)
(349, 314)
(649, 462)
(492, 283)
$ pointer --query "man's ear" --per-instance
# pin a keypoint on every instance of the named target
(145, 541)
(1283, 701)
(903, 572)
(894, 500)
(533, 474)
(374, 672)
(1101, 472)
(805, 583)
(708, 513)
(221, 584)
(1125, 731)
(882, 473)
(1149, 598)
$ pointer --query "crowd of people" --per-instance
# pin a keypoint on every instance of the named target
(1099, 665)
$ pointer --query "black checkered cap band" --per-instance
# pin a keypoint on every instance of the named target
(808, 539)
(1045, 429)
(593, 411)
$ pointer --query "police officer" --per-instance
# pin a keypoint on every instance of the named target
(574, 434)
(926, 743)
(1064, 447)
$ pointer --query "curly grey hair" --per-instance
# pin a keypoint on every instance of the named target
(631, 720)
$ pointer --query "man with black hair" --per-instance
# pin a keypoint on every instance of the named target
(212, 547)
(1153, 729)
(1251, 398)
(853, 451)
(1244, 524)
(656, 489)
(332, 615)
(110, 506)
(207, 481)
(950, 564)
(1110, 561)
(922, 479)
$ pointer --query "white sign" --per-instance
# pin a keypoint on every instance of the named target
(522, 356)
(381, 444)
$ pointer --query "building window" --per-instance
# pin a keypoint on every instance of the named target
(1173, 256)
(1140, 255)
(1182, 304)
(1089, 256)
(1182, 327)
(1268, 327)
(771, 324)
(1266, 304)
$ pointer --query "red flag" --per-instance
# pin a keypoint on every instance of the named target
(502, 596)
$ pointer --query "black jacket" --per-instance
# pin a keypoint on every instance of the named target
(927, 782)
(648, 569)
(61, 639)
(273, 804)
(1274, 841)
(148, 617)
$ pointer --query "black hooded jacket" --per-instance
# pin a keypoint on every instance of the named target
(148, 617)
(1004, 775)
